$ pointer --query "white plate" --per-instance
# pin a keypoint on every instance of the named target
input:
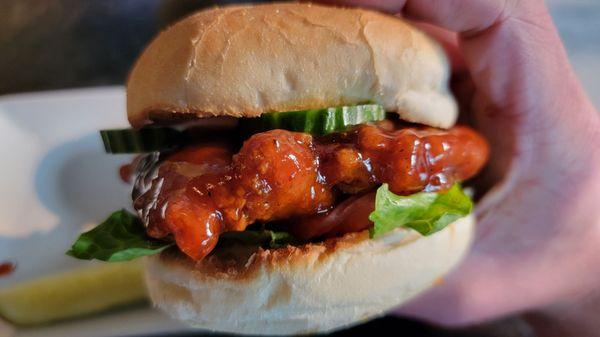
(56, 181)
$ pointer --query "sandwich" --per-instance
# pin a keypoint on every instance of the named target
(298, 168)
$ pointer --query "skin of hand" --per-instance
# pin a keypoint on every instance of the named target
(537, 242)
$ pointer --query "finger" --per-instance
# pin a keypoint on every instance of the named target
(393, 6)
(472, 294)
(464, 16)
(485, 287)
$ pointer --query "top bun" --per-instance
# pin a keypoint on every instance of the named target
(242, 61)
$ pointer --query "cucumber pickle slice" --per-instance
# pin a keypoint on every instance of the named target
(316, 122)
(142, 140)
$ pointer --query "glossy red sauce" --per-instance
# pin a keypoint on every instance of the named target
(126, 172)
(351, 215)
(6, 268)
(204, 190)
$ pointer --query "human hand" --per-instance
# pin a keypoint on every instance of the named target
(538, 228)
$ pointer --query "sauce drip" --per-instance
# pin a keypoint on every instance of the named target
(6, 268)
(204, 190)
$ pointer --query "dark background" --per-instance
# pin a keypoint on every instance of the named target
(55, 44)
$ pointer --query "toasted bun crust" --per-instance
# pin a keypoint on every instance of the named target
(245, 60)
(312, 288)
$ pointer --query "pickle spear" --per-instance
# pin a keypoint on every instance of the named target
(73, 293)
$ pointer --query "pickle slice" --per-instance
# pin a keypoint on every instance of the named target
(73, 293)
(316, 121)
(142, 140)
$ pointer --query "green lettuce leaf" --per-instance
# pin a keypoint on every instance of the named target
(424, 212)
(121, 237)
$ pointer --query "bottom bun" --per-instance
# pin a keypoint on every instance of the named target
(311, 288)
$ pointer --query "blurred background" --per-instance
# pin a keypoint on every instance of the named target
(57, 44)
